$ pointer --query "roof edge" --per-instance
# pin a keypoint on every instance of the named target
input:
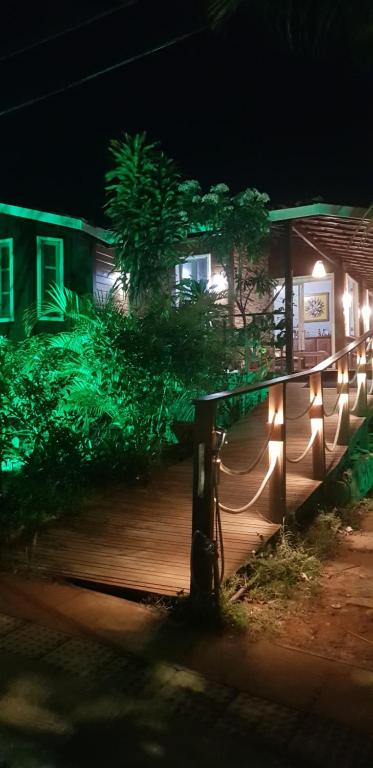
(69, 222)
(317, 209)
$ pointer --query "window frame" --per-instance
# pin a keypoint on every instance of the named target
(353, 310)
(193, 258)
(58, 241)
(8, 241)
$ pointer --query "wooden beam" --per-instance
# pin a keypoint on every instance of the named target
(288, 274)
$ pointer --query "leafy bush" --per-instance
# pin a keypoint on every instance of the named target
(98, 401)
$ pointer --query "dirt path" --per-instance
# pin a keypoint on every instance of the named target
(338, 621)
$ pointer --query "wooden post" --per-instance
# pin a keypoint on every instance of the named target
(339, 318)
(362, 401)
(288, 274)
(201, 581)
(342, 389)
(317, 425)
(277, 482)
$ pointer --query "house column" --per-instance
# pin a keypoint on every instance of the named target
(288, 274)
(339, 317)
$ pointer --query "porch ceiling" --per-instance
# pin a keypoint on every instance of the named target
(345, 235)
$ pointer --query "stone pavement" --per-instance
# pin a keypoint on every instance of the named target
(70, 701)
(97, 680)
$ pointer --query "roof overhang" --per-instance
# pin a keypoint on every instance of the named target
(57, 220)
(319, 209)
(343, 234)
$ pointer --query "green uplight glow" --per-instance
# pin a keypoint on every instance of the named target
(57, 220)
(49, 271)
(6, 281)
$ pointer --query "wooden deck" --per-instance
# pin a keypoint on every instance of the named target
(139, 538)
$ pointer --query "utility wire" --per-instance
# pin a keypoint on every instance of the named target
(67, 31)
(100, 72)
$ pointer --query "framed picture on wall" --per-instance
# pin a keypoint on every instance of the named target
(316, 307)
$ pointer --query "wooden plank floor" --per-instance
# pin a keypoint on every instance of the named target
(139, 538)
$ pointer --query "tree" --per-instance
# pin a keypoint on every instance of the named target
(308, 26)
(235, 228)
(145, 209)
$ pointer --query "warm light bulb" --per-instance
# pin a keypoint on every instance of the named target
(347, 299)
(218, 282)
(319, 269)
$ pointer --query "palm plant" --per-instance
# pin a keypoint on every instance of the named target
(309, 26)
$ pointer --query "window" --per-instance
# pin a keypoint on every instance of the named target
(195, 268)
(352, 324)
(6, 281)
(49, 271)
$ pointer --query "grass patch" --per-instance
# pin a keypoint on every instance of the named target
(353, 514)
(257, 599)
(276, 574)
(321, 538)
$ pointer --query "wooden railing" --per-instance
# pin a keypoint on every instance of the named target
(208, 439)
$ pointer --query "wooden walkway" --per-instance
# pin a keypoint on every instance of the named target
(139, 538)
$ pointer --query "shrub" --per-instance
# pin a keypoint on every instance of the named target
(97, 402)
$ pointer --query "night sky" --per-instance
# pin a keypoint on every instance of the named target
(232, 105)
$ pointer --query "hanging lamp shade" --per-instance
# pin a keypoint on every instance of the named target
(319, 269)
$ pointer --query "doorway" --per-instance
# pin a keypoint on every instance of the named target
(313, 318)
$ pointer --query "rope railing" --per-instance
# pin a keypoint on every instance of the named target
(233, 472)
(306, 450)
(353, 410)
(208, 509)
(352, 381)
(331, 448)
(245, 507)
(303, 413)
(333, 410)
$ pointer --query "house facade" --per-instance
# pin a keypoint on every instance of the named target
(321, 257)
(39, 248)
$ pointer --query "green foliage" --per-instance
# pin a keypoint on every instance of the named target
(229, 223)
(235, 229)
(311, 27)
(144, 206)
(99, 401)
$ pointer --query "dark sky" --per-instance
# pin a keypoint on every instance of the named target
(232, 105)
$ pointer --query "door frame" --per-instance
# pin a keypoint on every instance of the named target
(299, 280)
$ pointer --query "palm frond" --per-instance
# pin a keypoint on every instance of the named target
(67, 341)
(63, 302)
(219, 10)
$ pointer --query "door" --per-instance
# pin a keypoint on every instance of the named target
(313, 316)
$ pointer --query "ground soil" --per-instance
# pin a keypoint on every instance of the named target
(337, 622)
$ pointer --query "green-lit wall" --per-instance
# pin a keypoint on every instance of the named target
(78, 266)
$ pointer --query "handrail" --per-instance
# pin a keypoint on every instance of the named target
(319, 368)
